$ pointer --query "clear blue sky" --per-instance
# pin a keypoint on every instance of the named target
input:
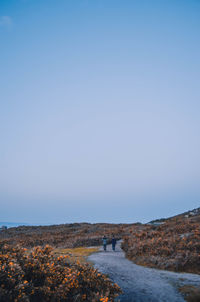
(99, 109)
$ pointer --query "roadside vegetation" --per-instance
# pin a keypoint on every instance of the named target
(173, 245)
(40, 275)
(79, 253)
(190, 293)
(31, 270)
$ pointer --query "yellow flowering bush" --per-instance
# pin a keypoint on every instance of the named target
(38, 275)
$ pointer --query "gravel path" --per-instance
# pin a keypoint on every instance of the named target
(141, 284)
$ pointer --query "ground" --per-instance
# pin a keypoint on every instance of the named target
(141, 284)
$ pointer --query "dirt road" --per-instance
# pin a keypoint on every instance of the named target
(141, 284)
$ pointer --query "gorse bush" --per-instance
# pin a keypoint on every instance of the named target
(40, 276)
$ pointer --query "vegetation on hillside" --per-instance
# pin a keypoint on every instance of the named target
(65, 235)
(31, 273)
(174, 245)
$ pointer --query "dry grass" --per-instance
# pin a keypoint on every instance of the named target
(190, 293)
(80, 253)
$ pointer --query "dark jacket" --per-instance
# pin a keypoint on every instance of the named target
(114, 241)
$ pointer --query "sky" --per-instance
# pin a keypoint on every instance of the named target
(99, 110)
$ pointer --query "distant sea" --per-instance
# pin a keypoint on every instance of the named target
(12, 224)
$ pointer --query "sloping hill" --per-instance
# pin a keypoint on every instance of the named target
(195, 213)
(172, 244)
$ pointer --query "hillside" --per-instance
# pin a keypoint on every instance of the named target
(191, 213)
(40, 273)
(171, 244)
(63, 235)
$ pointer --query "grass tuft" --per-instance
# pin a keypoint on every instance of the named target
(191, 293)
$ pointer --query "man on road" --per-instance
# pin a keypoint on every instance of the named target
(114, 241)
(104, 242)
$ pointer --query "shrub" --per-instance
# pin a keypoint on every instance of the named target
(174, 245)
(38, 275)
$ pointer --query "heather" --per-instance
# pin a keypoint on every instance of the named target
(174, 244)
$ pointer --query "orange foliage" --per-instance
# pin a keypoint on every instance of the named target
(40, 276)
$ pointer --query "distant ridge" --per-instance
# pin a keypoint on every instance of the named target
(190, 213)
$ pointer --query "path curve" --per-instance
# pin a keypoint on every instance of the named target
(141, 284)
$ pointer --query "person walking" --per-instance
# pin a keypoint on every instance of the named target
(104, 242)
(114, 241)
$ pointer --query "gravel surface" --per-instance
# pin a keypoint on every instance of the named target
(141, 284)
